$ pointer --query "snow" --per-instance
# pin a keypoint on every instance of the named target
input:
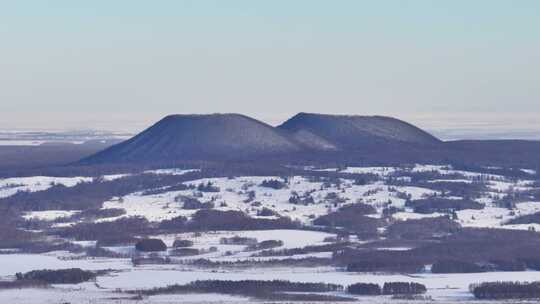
(440, 286)
(61, 295)
(49, 215)
(21, 142)
(403, 216)
(172, 171)
(154, 207)
(205, 240)
(113, 177)
(381, 171)
(10, 186)
(225, 252)
(234, 192)
(429, 168)
(529, 171)
(200, 298)
(13, 263)
(493, 217)
(290, 238)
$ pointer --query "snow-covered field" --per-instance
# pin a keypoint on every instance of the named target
(10, 186)
(13, 263)
(441, 287)
(234, 193)
(453, 287)
(246, 194)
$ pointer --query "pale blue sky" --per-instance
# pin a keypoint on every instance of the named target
(75, 63)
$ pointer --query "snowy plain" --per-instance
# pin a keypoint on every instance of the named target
(233, 192)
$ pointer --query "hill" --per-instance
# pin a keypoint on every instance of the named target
(200, 137)
(307, 139)
(344, 132)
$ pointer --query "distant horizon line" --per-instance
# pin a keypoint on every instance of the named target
(447, 126)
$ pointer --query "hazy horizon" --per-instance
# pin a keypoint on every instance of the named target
(122, 65)
(449, 127)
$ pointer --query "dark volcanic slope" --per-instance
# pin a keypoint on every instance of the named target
(200, 137)
(352, 132)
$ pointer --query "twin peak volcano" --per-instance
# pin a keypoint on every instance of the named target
(239, 137)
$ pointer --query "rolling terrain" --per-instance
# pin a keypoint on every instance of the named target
(226, 137)
(308, 138)
(319, 225)
(202, 137)
(350, 132)
(323, 208)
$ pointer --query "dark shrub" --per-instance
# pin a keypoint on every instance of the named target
(63, 276)
(353, 218)
(237, 240)
(455, 266)
(507, 265)
(526, 219)
(266, 245)
(182, 243)
(267, 212)
(208, 187)
(365, 289)
(116, 240)
(10, 235)
(506, 290)
(422, 228)
(191, 203)
(398, 288)
(177, 223)
(209, 219)
(273, 184)
(461, 189)
(22, 283)
(482, 246)
(531, 262)
(247, 287)
(120, 229)
(432, 205)
(305, 199)
(161, 190)
(332, 247)
(149, 245)
(93, 214)
(186, 251)
(396, 265)
(334, 199)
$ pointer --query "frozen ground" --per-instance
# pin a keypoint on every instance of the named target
(235, 191)
(13, 263)
(234, 194)
(442, 288)
(10, 186)
(451, 287)
(239, 193)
